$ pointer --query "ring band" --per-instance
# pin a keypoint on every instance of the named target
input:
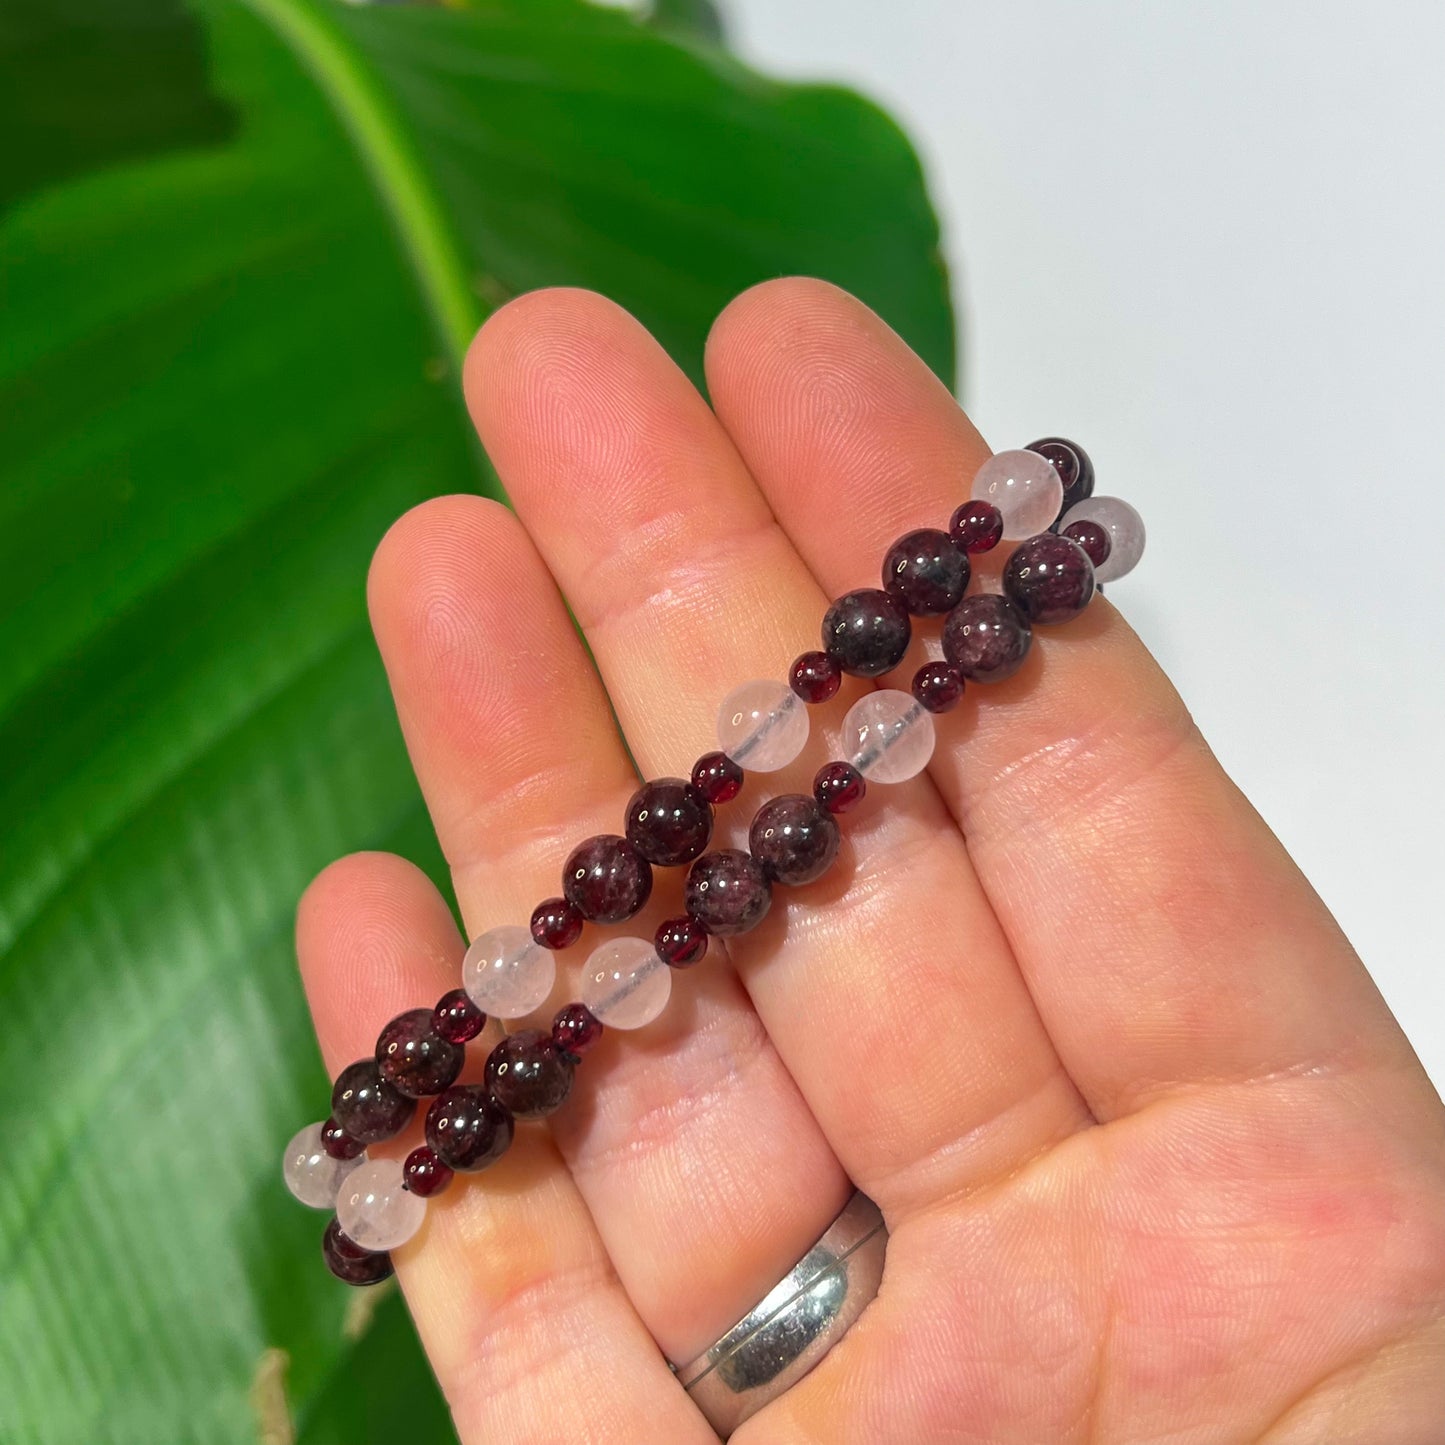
(799, 1320)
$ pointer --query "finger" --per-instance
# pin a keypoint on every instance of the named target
(525, 1324)
(1165, 935)
(520, 760)
(867, 982)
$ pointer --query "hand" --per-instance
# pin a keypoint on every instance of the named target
(1157, 1162)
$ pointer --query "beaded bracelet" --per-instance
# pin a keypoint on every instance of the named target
(1074, 539)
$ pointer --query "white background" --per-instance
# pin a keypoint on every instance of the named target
(1207, 241)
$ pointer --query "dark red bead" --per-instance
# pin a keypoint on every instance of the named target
(815, 677)
(938, 686)
(1094, 539)
(680, 942)
(1072, 464)
(414, 1058)
(727, 892)
(606, 879)
(1049, 578)
(866, 632)
(529, 1075)
(926, 572)
(467, 1129)
(366, 1106)
(976, 527)
(556, 923)
(839, 787)
(425, 1174)
(669, 822)
(986, 637)
(457, 1018)
(338, 1143)
(795, 838)
(576, 1029)
(717, 778)
(351, 1263)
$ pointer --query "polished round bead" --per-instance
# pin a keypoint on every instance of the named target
(938, 686)
(815, 677)
(866, 632)
(727, 892)
(1092, 538)
(888, 736)
(986, 637)
(424, 1173)
(762, 725)
(1126, 533)
(795, 838)
(606, 879)
(414, 1058)
(669, 822)
(575, 1030)
(467, 1129)
(349, 1262)
(625, 984)
(925, 572)
(457, 1018)
(529, 1075)
(1049, 578)
(506, 974)
(338, 1143)
(1024, 487)
(366, 1106)
(1071, 462)
(311, 1174)
(839, 787)
(680, 942)
(556, 924)
(976, 527)
(717, 778)
(375, 1208)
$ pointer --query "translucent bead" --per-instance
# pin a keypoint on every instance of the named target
(1126, 533)
(375, 1208)
(625, 984)
(506, 973)
(1024, 487)
(762, 725)
(311, 1174)
(888, 736)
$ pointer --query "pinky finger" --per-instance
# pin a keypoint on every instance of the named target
(515, 1300)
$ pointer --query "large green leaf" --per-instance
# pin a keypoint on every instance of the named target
(244, 246)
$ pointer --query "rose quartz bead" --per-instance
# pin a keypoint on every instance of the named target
(762, 725)
(625, 983)
(311, 1174)
(888, 736)
(507, 973)
(1126, 533)
(1024, 487)
(375, 1208)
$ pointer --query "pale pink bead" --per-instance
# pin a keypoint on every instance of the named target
(507, 973)
(1025, 488)
(311, 1174)
(762, 725)
(625, 984)
(1124, 526)
(888, 736)
(375, 1209)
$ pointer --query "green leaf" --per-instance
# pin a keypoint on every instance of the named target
(244, 247)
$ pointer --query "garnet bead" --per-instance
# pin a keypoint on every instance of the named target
(366, 1106)
(815, 677)
(669, 822)
(976, 527)
(1049, 578)
(413, 1058)
(467, 1129)
(349, 1262)
(606, 879)
(938, 686)
(338, 1143)
(866, 632)
(839, 787)
(425, 1174)
(556, 923)
(528, 1075)
(727, 892)
(576, 1029)
(717, 778)
(926, 572)
(986, 638)
(1092, 538)
(456, 1018)
(795, 839)
(1072, 464)
(680, 942)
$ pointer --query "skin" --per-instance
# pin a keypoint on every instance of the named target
(1157, 1162)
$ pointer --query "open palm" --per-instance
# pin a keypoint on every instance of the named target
(1157, 1163)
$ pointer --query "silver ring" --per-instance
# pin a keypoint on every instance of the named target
(785, 1334)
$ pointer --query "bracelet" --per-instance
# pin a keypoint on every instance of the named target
(1072, 541)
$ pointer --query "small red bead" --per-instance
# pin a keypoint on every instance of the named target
(977, 526)
(425, 1174)
(717, 777)
(1092, 538)
(815, 677)
(457, 1018)
(680, 942)
(338, 1143)
(349, 1262)
(938, 686)
(556, 923)
(839, 787)
(576, 1029)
